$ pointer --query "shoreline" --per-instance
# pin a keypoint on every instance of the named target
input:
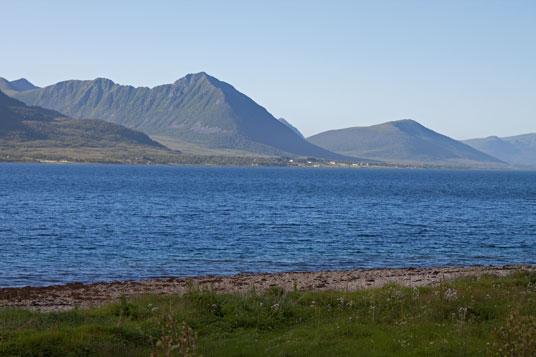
(79, 295)
(341, 165)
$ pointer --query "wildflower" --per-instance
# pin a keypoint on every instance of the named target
(400, 294)
(463, 312)
(451, 294)
(341, 302)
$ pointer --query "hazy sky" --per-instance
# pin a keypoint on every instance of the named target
(464, 68)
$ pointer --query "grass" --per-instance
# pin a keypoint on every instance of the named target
(51, 151)
(466, 317)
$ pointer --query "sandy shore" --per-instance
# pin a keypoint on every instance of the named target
(65, 297)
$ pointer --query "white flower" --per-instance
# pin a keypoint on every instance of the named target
(451, 294)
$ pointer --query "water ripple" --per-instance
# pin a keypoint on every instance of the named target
(62, 223)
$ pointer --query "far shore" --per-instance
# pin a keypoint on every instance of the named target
(78, 295)
(339, 165)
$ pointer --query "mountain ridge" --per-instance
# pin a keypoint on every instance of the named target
(197, 108)
(402, 141)
(517, 150)
(292, 127)
(19, 85)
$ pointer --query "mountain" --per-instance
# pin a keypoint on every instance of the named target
(197, 111)
(20, 85)
(291, 127)
(403, 141)
(517, 150)
(37, 132)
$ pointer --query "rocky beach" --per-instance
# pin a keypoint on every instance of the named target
(79, 295)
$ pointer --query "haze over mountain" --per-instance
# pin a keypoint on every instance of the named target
(44, 132)
(196, 112)
(19, 85)
(517, 150)
(403, 141)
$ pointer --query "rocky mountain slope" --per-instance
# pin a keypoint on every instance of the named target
(198, 110)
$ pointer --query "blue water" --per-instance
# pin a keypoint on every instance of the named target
(65, 223)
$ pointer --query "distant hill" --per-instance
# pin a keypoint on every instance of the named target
(197, 110)
(20, 85)
(34, 131)
(403, 141)
(291, 127)
(517, 150)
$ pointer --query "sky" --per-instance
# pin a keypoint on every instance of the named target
(464, 68)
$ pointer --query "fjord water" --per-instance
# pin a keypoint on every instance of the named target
(87, 223)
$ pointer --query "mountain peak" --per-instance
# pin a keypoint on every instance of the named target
(23, 84)
(197, 109)
(402, 141)
(103, 82)
(199, 77)
(405, 120)
(516, 150)
(198, 74)
(19, 85)
(405, 123)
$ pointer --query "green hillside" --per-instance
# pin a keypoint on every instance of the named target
(31, 133)
(403, 141)
(34, 134)
(517, 150)
(197, 109)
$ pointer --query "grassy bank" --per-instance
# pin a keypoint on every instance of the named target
(466, 317)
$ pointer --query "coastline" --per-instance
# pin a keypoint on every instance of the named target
(79, 295)
(245, 161)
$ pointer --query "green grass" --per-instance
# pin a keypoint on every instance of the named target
(39, 151)
(467, 317)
